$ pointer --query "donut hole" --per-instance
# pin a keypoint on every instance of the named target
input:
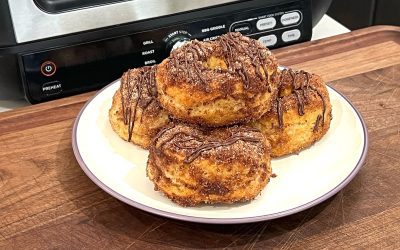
(215, 63)
(285, 91)
(269, 71)
(291, 81)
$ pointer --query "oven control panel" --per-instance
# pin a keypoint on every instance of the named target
(75, 69)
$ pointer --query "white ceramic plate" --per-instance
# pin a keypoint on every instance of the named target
(302, 181)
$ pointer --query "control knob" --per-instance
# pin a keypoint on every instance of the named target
(176, 39)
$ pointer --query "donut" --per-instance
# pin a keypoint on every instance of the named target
(135, 114)
(226, 81)
(194, 165)
(300, 115)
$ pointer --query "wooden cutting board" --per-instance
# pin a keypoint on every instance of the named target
(46, 201)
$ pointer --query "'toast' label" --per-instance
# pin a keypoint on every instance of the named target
(290, 18)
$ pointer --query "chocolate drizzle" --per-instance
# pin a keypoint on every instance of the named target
(316, 125)
(233, 48)
(163, 131)
(190, 60)
(280, 112)
(137, 89)
(300, 102)
(323, 110)
(196, 144)
(301, 92)
(215, 144)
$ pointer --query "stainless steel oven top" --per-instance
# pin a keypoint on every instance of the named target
(32, 23)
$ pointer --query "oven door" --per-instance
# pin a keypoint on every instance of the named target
(77, 16)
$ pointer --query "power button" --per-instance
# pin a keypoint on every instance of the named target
(48, 68)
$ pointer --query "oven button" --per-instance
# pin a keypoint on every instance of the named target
(48, 68)
(244, 28)
(291, 35)
(290, 18)
(52, 88)
(269, 40)
(266, 23)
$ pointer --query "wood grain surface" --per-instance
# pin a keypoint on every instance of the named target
(46, 201)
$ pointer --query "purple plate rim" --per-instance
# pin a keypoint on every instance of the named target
(188, 218)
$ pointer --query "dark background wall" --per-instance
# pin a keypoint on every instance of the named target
(356, 14)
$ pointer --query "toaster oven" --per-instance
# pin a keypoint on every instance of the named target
(55, 48)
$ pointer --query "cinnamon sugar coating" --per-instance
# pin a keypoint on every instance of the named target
(135, 114)
(300, 115)
(227, 81)
(193, 165)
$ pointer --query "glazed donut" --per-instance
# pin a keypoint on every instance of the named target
(193, 165)
(227, 81)
(135, 114)
(300, 115)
